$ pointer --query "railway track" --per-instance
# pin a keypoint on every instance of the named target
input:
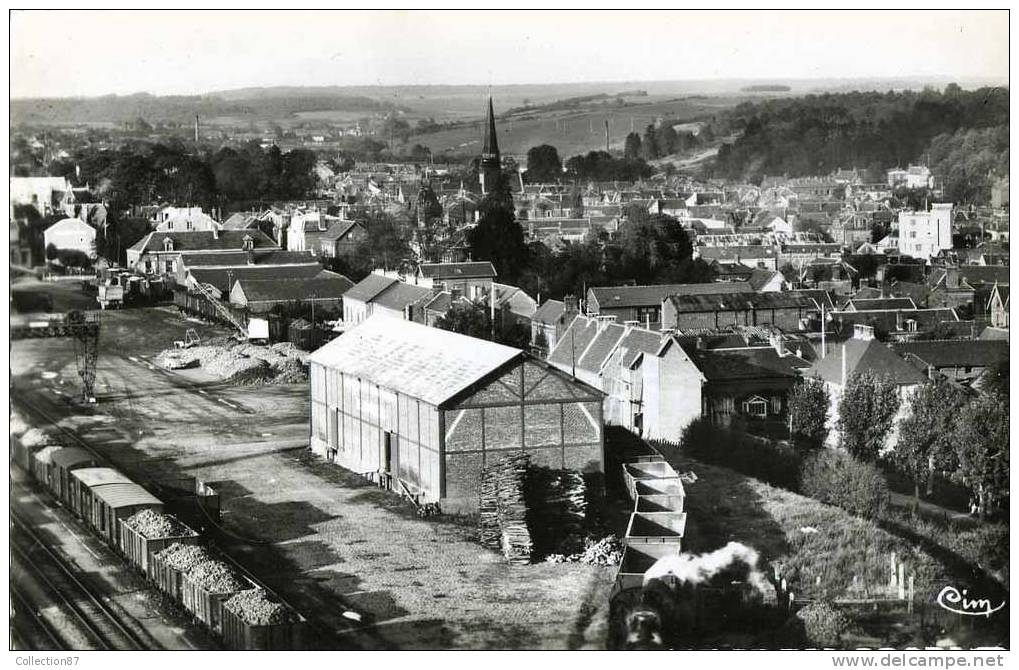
(98, 622)
(29, 629)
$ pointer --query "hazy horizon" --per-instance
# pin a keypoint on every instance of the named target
(170, 53)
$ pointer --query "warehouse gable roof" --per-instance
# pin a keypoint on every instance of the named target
(427, 363)
(369, 287)
(276, 290)
(473, 270)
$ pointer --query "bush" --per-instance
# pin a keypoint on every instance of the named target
(823, 624)
(836, 478)
(774, 463)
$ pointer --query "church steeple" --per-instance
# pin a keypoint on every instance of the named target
(490, 159)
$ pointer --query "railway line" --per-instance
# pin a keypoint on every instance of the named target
(98, 623)
(29, 629)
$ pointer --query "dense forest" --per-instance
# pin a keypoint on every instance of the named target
(963, 135)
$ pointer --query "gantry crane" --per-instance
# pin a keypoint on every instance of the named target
(81, 327)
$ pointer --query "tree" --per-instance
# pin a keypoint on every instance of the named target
(836, 478)
(51, 252)
(866, 411)
(924, 445)
(498, 237)
(543, 164)
(808, 413)
(631, 147)
(466, 318)
(981, 445)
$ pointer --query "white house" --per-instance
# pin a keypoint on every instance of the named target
(915, 176)
(72, 234)
(48, 195)
(184, 219)
(925, 234)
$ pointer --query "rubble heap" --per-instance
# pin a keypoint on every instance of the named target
(281, 363)
(254, 608)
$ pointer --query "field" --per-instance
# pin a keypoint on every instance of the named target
(571, 131)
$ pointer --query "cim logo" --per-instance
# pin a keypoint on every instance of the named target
(953, 601)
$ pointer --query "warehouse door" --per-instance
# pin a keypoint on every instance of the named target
(388, 447)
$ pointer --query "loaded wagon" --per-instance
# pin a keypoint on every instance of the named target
(139, 545)
(112, 502)
(655, 528)
(63, 463)
(21, 454)
(167, 567)
(42, 462)
(83, 483)
(647, 471)
(205, 587)
(282, 630)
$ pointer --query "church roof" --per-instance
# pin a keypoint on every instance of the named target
(491, 144)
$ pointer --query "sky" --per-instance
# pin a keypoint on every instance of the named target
(87, 53)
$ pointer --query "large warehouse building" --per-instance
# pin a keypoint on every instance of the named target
(429, 408)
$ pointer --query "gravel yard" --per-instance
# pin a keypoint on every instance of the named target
(320, 536)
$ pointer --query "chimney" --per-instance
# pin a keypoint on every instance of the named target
(778, 343)
(455, 292)
(250, 257)
(215, 232)
(898, 320)
(700, 343)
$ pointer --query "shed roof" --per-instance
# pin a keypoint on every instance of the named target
(956, 353)
(422, 362)
(280, 290)
(369, 287)
(647, 296)
(876, 304)
(222, 277)
(126, 494)
(399, 294)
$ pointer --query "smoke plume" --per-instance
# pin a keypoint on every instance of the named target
(694, 569)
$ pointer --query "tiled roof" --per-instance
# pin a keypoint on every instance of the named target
(639, 341)
(549, 312)
(745, 364)
(427, 363)
(573, 342)
(281, 290)
(602, 345)
(889, 320)
(741, 301)
(865, 356)
(205, 240)
(956, 353)
(877, 304)
(477, 269)
(984, 274)
(399, 295)
(338, 230)
(369, 287)
(240, 258)
(222, 278)
(647, 296)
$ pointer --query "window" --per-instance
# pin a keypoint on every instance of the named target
(167, 244)
(912, 234)
(169, 225)
(148, 267)
(169, 266)
(756, 406)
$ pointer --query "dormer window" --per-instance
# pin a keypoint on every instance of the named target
(247, 244)
(167, 244)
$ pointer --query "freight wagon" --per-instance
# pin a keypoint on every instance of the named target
(206, 604)
(113, 502)
(64, 463)
(42, 462)
(21, 455)
(658, 502)
(240, 635)
(655, 527)
(139, 549)
(651, 470)
(83, 482)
